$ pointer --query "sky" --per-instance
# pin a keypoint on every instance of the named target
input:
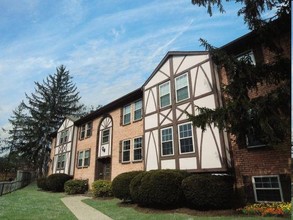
(110, 47)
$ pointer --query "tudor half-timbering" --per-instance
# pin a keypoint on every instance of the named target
(63, 151)
(182, 81)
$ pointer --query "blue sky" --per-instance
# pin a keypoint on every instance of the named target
(110, 47)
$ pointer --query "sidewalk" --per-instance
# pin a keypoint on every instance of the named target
(81, 210)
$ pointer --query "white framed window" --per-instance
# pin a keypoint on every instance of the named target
(165, 97)
(61, 161)
(83, 159)
(105, 136)
(182, 89)
(167, 141)
(267, 188)
(126, 114)
(186, 138)
(247, 56)
(137, 149)
(126, 151)
(137, 110)
(63, 136)
(86, 130)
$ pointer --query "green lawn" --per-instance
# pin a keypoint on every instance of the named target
(31, 204)
(113, 209)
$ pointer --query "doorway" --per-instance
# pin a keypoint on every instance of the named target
(104, 169)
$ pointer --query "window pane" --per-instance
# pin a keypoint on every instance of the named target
(126, 156)
(182, 94)
(105, 136)
(89, 129)
(167, 148)
(138, 105)
(268, 195)
(126, 119)
(165, 100)
(126, 145)
(137, 142)
(138, 114)
(137, 154)
(167, 134)
(164, 94)
(181, 81)
(186, 145)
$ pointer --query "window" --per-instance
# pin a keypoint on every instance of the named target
(63, 137)
(89, 129)
(86, 130)
(167, 141)
(165, 94)
(248, 57)
(137, 110)
(83, 159)
(137, 149)
(253, 134)
(105, 136)
(126, 114)
(126, 151)
(181, 83)
(82, 132)
(185, 138)
(61, 161)
(267, 188)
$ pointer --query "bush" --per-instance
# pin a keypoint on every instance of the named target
(42, 183)
(206, 191)
(158, 188)
(55, 182)
(120, 185)
(76, 186)
(102, 188)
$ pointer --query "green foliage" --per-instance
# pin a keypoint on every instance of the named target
(158, 188)
(55, 182)
(40, 115)
(42, 183)
(242, 114)
(102, 188)
(120, 185)
(205, 191)
(75, 186)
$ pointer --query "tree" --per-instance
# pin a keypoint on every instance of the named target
(34, 121)
(242, 114)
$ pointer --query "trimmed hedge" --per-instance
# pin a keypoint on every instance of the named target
(55, 182)
(76, 186)
(102, 188)
(42, 183)
(120, 185)
(158, 188)
(206, 191)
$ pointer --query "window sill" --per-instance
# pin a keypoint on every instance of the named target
(137, 161)
(137, 120)
(125, 162)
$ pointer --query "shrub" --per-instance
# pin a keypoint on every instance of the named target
(206, 191)
(267, 209)
(120, 185)
(42, 183)
(76, 186)
(158, 188)
(102, 188)
(55, 182)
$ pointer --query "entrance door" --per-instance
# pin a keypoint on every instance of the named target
(104, 169)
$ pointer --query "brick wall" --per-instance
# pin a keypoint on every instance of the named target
(87, 143)
(120, 132)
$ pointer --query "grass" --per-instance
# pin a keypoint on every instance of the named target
(31, 204)
(119, 211)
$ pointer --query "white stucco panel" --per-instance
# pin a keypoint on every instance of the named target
(189, 163)
(203, 83)
(150, 100)
(166, 117)
(210, 157)
(176, 62)
(191, 60)
(157, 78)
(151, 121)
(206, 101)
(168, 164)
(151, 150)
(182, 116)
(166, 68)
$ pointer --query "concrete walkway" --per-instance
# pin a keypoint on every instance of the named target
(81, 210)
